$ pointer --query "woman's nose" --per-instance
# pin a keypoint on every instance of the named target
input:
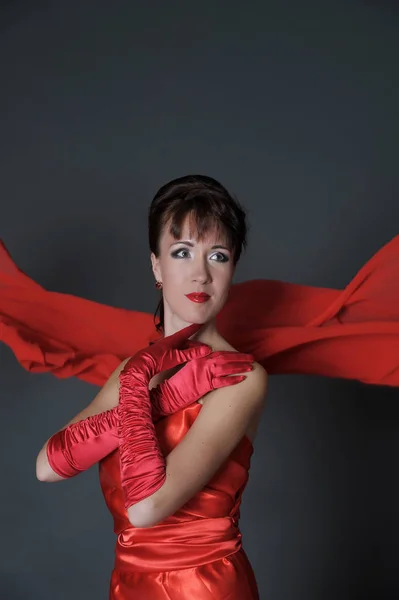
(201, 272)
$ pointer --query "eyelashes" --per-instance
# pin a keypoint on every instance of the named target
(178, 254)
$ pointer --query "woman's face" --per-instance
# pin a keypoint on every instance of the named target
(187, 267)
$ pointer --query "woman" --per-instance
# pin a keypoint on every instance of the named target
(289, 328)
(189, 484)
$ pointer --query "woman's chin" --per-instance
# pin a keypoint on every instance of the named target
(192, 321)
(193, 317)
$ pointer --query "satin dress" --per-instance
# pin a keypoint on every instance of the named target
(195, 554)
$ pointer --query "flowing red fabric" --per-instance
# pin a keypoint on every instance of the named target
(196, 554)
(290, 328)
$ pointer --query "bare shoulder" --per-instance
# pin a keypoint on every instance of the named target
(231, 412)
(254, 388)
(255, 383)
(258, 380)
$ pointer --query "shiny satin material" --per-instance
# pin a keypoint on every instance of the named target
(80, 445)
(142, 463)
(199, 377)
(143, 467)
(195, 554)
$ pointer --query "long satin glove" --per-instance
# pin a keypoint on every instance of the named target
(82, 444)
(141, 459)
(142, 462)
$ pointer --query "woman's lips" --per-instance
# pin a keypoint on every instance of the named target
(198, 297)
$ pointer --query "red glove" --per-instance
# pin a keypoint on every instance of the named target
(142, 462)
(197, 378)
(80, 445)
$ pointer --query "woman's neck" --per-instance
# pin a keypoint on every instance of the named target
(207, 334)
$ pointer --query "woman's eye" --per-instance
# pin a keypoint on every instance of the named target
(220, 257)
(182, 253)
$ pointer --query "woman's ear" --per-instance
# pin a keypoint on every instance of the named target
(155, 267)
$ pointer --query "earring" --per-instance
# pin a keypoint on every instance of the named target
(158, 285)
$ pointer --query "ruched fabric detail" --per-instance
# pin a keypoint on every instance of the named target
(80, 445)
(142, 463)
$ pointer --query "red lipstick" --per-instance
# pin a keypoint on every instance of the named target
(200, 297)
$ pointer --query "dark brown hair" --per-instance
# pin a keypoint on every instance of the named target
(208, 204)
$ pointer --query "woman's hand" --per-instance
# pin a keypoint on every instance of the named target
(197, 378)
(166, 353)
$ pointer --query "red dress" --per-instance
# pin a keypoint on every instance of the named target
(196, 553)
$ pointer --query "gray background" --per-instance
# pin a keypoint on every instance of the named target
(293, 106)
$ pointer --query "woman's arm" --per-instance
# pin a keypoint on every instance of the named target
(106, 399)
(219, 427)
(93, 433)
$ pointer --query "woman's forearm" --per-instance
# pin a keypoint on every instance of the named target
(78, 446)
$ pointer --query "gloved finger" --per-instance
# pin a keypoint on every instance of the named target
(197, 352)
(219, 382)
(230, 368)
(174, 357)
(181, 336)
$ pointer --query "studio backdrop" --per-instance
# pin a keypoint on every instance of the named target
(293, 107)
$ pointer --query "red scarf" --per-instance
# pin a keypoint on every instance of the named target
(290, 328)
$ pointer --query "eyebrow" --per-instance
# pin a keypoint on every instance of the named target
(188, 243)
